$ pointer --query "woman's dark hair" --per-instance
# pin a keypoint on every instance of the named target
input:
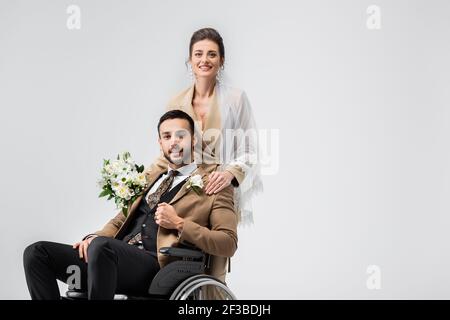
(177, 114)
(207, 34)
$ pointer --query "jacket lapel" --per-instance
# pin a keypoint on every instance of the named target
(184, 190)
(186, 104)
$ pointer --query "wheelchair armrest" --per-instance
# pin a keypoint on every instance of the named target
(182, 253)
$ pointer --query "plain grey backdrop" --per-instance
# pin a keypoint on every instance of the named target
(363, 119)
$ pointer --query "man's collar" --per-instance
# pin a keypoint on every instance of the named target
(184, 170)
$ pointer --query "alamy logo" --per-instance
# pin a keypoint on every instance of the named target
(374, 19)
(374, 280)
(74, 280)
(74, 20)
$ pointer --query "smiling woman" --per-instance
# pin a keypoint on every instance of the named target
(220, 111)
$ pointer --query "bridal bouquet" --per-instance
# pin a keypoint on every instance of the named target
(122, 180)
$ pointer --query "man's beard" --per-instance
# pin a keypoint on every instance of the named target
(185, 159)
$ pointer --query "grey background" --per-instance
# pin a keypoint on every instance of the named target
(364, 160)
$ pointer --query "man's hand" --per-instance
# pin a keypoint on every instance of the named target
(83, 246)
(167, 217)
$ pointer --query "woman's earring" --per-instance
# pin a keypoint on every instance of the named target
(191, 74)
(219, 75)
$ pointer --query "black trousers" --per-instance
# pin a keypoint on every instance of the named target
(113, 267)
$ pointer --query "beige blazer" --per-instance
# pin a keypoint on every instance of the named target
(210, 223)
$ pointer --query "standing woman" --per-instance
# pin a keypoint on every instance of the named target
(224, 124)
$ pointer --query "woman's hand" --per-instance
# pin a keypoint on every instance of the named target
(82, 247)
(218, 181)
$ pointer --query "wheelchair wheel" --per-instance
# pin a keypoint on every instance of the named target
(202, 287)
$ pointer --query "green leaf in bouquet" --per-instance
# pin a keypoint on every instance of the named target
(127, 208)
(104, 193)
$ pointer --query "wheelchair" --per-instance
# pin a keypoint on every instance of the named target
(182, 279)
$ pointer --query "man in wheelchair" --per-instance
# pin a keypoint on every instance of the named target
(145, 254)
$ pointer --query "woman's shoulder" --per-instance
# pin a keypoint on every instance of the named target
(180, 98)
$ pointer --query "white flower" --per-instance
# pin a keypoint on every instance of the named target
(196, 183)
(123, 192)
(115, 167)
(141, 180)
(116, 181)
(115, 186)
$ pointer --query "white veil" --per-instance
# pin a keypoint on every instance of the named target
(241, 147)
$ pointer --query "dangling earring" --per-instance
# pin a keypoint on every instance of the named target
(191, 73)
(219, 75)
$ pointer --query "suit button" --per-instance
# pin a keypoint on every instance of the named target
(144, 225)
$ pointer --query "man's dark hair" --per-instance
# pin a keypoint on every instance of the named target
(177, 114)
